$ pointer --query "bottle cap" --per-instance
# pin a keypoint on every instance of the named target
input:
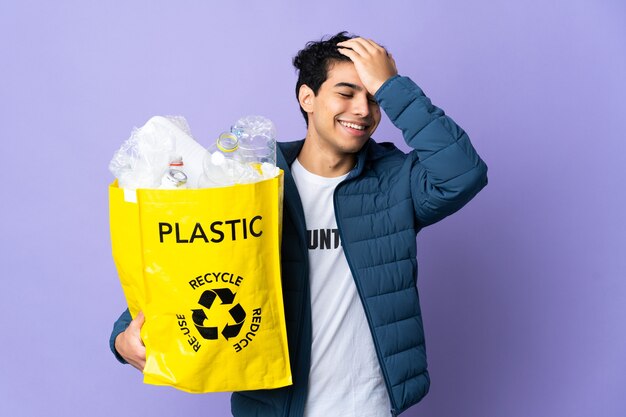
(177, 162)
(174, 178)
(227, 142)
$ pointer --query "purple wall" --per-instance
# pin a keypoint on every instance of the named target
(523, 291)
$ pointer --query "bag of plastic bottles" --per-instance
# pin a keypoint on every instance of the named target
(203, 265)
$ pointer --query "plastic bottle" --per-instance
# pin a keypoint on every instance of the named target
(257, 143)
(174, 177)
(223, 164)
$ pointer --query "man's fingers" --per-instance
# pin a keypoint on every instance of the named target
(137, 322)
(374, 48)
(371, 45)
(140, 318)
(363, 46)
(139, 364)
(347, 52)
(377, 46)
(138, 352)
(134, 331)
(355, 45)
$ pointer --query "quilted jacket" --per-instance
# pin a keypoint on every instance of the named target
(380, 207)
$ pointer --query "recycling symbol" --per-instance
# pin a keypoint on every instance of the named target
(237, 313)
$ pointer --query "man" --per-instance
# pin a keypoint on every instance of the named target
(353, 208)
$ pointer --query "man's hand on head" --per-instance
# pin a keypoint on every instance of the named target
(372, 62)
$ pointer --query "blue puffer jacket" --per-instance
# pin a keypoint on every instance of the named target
(380, 207)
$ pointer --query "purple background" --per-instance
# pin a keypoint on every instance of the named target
(523, 291)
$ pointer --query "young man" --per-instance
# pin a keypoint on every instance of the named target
(352, 210)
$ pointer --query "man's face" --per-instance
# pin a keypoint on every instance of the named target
(343, 115)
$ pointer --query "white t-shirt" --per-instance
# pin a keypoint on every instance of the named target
(345, 378)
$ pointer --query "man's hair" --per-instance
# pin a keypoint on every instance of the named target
(314, 61)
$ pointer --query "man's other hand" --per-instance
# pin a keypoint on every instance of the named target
(129, 344)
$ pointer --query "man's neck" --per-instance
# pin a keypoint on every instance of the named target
(324, 163)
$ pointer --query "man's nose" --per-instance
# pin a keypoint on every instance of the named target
(360, 106)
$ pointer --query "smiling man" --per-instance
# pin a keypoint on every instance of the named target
(353, 208)
(354, 324)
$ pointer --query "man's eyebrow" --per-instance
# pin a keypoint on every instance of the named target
(349, 85)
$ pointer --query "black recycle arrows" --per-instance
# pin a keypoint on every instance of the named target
(237, 313)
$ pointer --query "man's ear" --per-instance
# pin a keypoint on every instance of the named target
(306, 97)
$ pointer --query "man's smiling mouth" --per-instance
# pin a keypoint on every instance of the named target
(353, 125)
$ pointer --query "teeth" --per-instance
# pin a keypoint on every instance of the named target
(352, 125)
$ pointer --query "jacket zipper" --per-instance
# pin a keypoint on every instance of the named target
(365, 308)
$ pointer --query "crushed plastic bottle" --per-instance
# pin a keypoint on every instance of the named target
(257, 139)
(223, 164)
(143, 158)
(244, 155)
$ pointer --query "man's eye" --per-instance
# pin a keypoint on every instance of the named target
(345, 95)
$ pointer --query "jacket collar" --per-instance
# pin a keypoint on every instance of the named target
(290, 151)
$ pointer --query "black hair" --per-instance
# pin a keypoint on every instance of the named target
(314, 61)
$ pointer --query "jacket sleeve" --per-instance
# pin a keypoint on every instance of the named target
(446, 172)
(120, 325)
